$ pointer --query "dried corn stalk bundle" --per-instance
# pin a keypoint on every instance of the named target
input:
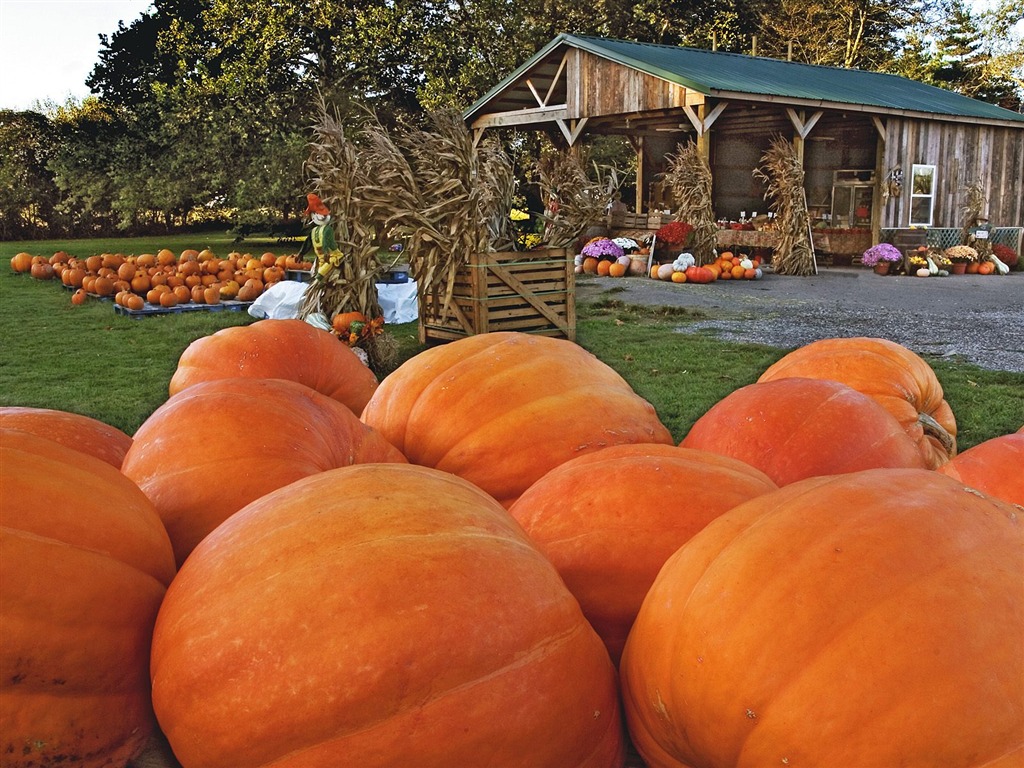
(689, 178)
(783, 173)
(339, 176)
(972, 210)
(448, 198)
(572, 200)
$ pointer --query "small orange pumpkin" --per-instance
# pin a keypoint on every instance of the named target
(21, 262)
(342, 321)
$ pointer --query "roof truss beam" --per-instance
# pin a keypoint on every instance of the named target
(703, 126)
(802, 124)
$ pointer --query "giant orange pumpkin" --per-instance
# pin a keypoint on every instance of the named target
(796, 428)
(279, 349)
(897, 378)
(218, 445)
(84, 564)
(872, 619)
(609, 520)
(501, 409)
(83, 433)
(995, 467)
(385, 615)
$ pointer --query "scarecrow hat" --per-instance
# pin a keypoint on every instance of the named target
(315, 205)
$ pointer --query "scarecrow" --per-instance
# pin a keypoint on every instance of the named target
(321, 239)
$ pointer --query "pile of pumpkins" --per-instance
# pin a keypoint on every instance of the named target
(726, 266)
(468, 564)
(163, 278)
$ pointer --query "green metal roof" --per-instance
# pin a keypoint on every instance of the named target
(717, 73)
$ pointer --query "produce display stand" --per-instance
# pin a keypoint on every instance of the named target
(525, 291)
(747, 238)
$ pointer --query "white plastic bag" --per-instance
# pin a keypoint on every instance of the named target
(281, 301)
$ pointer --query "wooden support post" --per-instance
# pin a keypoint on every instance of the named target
(880, 181)
(703, 138)
(802, 125)
(639, 174)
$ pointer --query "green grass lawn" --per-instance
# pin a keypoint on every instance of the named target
(117, 369)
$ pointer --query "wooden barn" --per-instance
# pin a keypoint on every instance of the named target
(881, 153)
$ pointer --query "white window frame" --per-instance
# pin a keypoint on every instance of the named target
(930, 195)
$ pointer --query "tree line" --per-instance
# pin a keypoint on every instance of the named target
(202, 109)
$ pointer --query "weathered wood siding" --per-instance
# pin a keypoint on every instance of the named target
(604, 87)
(963, 154)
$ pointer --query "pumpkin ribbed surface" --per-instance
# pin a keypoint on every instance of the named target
(501, 409)
(379, 615)
(795, 428)
(895, 377)
(82, 433)
(868, 620)
(218, 445)
(609, 520)
(84, 563)
(995, 467)
(278, 349)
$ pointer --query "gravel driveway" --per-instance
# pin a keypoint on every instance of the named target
(976, 318)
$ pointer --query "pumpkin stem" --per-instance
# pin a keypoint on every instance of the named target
(933, 429)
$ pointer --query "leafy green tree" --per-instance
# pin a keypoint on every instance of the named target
(86, 134)
(27, 191)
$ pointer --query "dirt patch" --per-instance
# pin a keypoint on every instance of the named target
(974, 318)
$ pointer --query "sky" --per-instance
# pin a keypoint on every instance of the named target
(49, 47)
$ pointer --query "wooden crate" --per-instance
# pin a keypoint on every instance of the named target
(526, 291)
(642, 221)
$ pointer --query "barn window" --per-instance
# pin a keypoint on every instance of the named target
(922, 195)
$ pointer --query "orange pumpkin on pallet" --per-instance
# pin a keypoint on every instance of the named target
(178, 459)
(895, 377)
(993, 467)
(441, 635)
(841, 621)
(514, 407)
(74, 430)
(84, 564)
(795, 428)
(282, 349)
(577, 520)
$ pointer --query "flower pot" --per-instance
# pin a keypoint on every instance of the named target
(882, 268)
(958, 268)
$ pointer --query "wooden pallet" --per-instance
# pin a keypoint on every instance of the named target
(526, 291)
(155, 309)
